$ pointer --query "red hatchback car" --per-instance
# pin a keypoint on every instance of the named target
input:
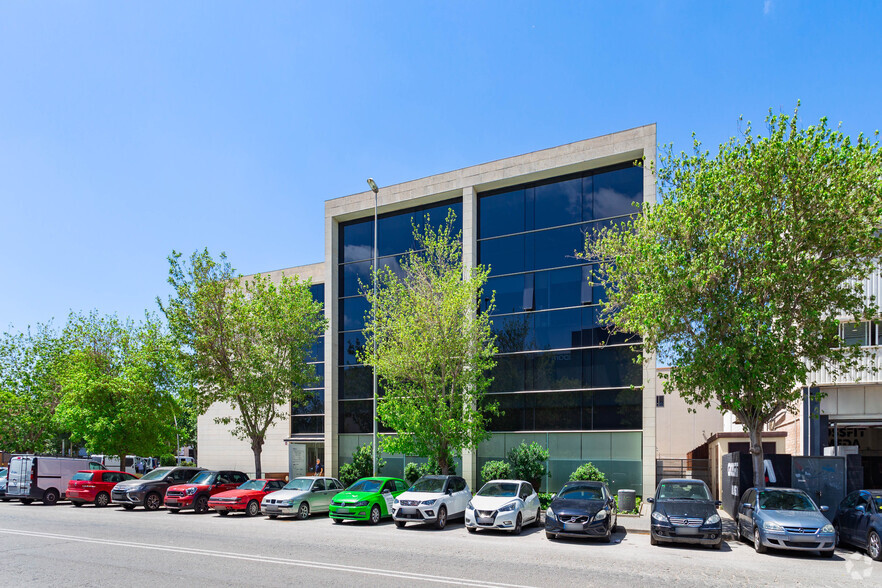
(195, 493)
(246, 498)
(94, 486)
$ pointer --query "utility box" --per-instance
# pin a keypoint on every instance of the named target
(627, 500)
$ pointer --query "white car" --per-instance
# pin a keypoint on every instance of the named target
(301, 496)
(432, 499)
(503, 504)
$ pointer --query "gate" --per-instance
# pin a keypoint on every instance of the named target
(822, 478)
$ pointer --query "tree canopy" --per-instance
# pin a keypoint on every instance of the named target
(433, 349)
(745, 267)
(246, 341)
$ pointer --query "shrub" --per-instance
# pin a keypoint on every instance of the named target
(495, 470)
(545, 499)
(167, 460)
(362, 465)
(588, 472)
(414, 471)
(528, 463)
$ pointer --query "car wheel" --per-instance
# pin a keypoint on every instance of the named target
(741, 536)
(828, 554)
(375, 514)
(103, 499)
(201, 504)
(718, 545)
(76, 503)
(538, 518)
(253, 509)
(303, 511)
(173, 510)
(152, 501)
(129, 506)
(874, 546)
(471, 530)
(27, 500)
(518, 525)
(550, 536)
(223, 513)
(337, 521)
(652, 539)
(608, 537)
(757, 541)
(270, 516)
(5, 499)
(400, 524)
(442, 517)
(50, 496)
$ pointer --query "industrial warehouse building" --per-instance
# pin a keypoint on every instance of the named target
(561, 380)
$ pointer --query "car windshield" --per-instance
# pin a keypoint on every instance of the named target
(155, 474)
(428, 485)
(503, 489)
(298, 484)
(581, 493)
(82, 476)
(202, 478)
(778, 500)
(683, 491)
(252, 485)
(366, 486)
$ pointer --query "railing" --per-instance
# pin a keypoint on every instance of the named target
(863, 373)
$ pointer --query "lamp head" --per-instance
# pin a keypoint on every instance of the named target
(373, 185)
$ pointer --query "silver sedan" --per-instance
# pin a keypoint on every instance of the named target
(302, 496)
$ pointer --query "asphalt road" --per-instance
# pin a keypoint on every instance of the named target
(88, 546)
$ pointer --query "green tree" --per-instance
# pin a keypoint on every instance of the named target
(362, 465)
(245, 341)
(528, 462)
(743, 269)
(495, 470)
(433, 350)
(29, 389)
(589, 472)
(119, 385)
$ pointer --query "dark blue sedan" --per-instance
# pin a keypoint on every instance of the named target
(859, 521)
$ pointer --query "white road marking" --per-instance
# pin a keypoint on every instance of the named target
(268, 559)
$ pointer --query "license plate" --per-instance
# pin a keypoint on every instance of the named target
(171, 501)
(343, 510)
(406, 512)
(687, 531)
(573, 527)
(272, 509)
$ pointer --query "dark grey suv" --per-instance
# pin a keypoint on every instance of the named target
(149, 490)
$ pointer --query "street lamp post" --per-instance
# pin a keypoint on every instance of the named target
(376, 191)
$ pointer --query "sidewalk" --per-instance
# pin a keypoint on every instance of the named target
(639, 524)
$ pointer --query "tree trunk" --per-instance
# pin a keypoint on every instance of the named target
(755, 431)
(442, 460)
(257, 448)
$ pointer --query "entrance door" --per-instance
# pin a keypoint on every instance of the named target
(822, 478)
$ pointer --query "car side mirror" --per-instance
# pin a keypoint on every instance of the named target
(747, 506)
(650, 500)
(825, 508)
(718, 503)
(553, 496)
(387, 491)
(860, 508)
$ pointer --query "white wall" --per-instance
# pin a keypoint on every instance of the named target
(218, 449)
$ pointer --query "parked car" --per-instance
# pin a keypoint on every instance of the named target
(503, 504)
(35, 477)
(368, 499)
(196, 492)
(432, 499)
(3, 497)
(858, 521)
(785, 518)
(302, 496)
(149, 489)
(683, 512)
(246, 498)
(582, 509)
(94, 486)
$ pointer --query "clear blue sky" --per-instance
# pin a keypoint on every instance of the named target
(131, 129)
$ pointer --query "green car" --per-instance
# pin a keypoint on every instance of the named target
(368, 499)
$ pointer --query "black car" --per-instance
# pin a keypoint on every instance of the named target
(582, 509)
(149, 490)
(683, 512)
(858, 521)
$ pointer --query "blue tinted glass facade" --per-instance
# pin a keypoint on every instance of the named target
(395, 238)
(557, 370)
(309, 419)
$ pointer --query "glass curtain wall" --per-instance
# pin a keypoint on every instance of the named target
(309, 420)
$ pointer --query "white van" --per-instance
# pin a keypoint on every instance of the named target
(111, 462)
(34, 477)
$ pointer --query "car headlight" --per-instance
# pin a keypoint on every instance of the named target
(770, 526)
(549, 514)
(713, 519)
(470, 506)
(828, 528)
(191, 491)
(361, 503)
(600, 515)
(659, 517)
(508, 507)
(429, 502)
(395, 501)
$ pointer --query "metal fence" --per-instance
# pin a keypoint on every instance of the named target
(696, 469)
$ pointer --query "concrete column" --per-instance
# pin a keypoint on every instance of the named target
(650, 376)
(332, 253)
(470, 260)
